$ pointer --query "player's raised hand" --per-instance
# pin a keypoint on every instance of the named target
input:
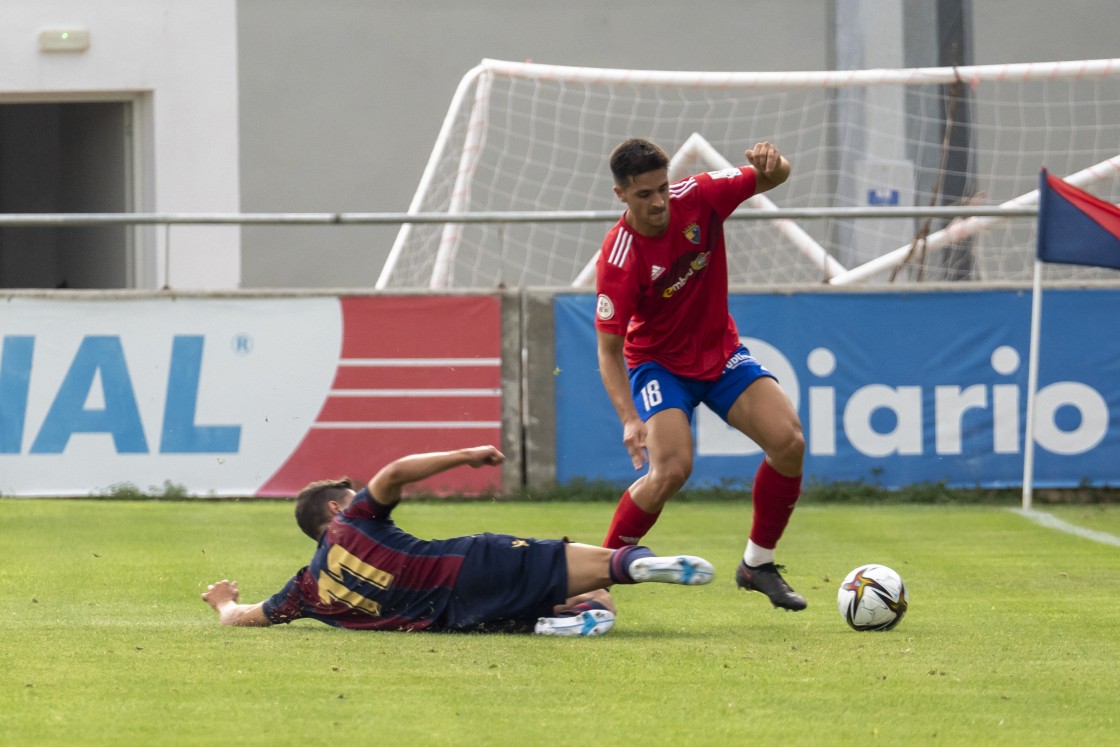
(765, 157)
(480, 456)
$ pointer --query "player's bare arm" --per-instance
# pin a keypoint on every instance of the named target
(770, 166)
(385, 486)
(616, 380)
(223, 597)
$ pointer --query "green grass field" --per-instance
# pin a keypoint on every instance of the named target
(1011, 638)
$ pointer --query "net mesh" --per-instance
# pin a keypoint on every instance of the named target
(537, 138)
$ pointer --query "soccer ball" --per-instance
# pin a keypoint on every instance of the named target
(872, 597)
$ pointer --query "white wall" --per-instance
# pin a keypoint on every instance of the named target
(177, 63)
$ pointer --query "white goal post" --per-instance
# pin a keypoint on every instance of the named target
(532, 140)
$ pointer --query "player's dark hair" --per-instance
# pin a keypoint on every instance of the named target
(635, 157)
(311, 504)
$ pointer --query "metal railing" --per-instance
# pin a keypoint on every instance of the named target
(577, 216)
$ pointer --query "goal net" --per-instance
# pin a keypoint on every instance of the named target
(522, 160)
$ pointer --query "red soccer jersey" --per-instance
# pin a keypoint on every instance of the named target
(668, 294)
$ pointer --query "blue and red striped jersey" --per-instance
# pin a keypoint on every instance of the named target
(367, 573)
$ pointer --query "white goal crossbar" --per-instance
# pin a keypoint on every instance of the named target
(970, 74)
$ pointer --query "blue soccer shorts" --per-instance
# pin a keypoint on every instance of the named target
(507, 579)
(656, 388)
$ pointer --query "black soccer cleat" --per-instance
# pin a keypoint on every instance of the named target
(767, 579)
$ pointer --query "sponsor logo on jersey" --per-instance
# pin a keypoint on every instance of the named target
(604, 307)
(681, 282)
(701, 261)
(684, 268)
(692, 233)
(657, 272)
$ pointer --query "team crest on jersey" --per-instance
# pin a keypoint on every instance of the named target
(692, 233)
(656, 272)
(604, 307)
(700, 262)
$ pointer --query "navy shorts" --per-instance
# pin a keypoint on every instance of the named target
(656, 388)
(508, 582)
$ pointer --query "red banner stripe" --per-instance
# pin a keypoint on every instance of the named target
(421, 326)
(383, 409)
(417, 377)
(359, 453)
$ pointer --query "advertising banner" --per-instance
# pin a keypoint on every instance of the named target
(241, 397)
(892, 388)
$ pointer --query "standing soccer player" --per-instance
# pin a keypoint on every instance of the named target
(666, 343)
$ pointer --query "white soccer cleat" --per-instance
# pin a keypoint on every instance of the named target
(688, 570)
(587, 623)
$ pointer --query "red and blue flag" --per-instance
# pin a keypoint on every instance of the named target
(1074, 227)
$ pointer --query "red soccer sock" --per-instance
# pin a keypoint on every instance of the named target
(629, 525)
(774, 496)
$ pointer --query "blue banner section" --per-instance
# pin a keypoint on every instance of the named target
(892, 389)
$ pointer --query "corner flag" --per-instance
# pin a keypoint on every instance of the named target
(1074, 227)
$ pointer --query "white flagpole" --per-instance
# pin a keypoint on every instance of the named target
(1032, 387)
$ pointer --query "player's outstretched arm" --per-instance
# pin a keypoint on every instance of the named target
(771, 168)
(385, 486)
(223, 596)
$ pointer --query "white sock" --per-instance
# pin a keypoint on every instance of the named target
(756, 555)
